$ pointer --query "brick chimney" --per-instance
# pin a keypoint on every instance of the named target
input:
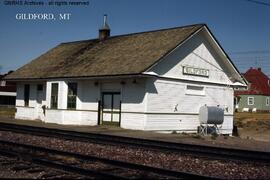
(104, 31)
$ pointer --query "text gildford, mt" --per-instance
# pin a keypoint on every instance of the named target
(43, 16)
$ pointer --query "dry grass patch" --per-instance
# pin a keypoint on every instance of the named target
(253, 125)
(7, 111)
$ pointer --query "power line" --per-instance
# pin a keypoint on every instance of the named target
(251, 52)
(258, 2)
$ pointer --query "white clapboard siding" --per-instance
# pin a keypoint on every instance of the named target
(111, 86)
(30, 112)
(87, 99)
(54, 116)
(198, 52)
(133, 96)
(170, 96)
(25, 113)
(170, 122)
(133, 100)
(88, 95)
(227, 126)
(171, 108)
(89, 118)
(182, 123)
(132, 121)
(71, 117)
(33, 95)
(20, 94)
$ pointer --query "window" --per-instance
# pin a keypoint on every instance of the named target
(250, 100)
(26, 94)
(40, 87)
(72, 95)
(2, 83)
(54, 96)
(195, 90)
(267, 101)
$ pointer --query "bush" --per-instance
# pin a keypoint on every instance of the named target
(197, 136)
(214, 135)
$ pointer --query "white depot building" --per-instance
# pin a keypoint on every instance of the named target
(153, 81)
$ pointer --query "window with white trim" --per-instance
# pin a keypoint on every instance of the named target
(267, 102)
(195, 90)
(250, 101)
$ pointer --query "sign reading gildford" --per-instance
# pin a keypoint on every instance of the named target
(195, 71)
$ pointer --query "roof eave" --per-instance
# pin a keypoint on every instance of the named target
(226, 55)
(77, 77)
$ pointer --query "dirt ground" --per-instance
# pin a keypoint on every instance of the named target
(253, 125)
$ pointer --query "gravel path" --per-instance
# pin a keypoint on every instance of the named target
(174, 161)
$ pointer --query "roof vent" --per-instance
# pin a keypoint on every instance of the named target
(104, 31)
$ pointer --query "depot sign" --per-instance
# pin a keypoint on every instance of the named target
(195, 71)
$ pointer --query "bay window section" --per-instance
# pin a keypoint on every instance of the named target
(72, 96)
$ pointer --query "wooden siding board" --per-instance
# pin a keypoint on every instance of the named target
(89, 95)
(133, 99)
(197, 52)
(168, 94)
(25, 113)
(19, 98)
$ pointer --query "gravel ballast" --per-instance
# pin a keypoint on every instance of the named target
(169, 160)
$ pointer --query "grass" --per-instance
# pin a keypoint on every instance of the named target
(248, 115)
(197, 136)
(249, 125)
(214, 136)
(7, 111)
(246, 119)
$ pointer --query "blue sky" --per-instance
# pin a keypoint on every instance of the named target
(240, 26)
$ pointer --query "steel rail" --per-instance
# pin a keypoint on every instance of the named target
(125, 165)
(205, 151)
(57, 165)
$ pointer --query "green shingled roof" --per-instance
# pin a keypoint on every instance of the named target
(117, 55)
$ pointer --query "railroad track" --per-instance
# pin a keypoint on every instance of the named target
(17, 168)
(89, 166)
(197, 150)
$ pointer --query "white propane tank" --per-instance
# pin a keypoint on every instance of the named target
(211, 115)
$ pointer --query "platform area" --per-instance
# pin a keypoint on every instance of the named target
(220, 141)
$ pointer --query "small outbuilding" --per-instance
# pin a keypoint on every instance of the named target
(154, 81)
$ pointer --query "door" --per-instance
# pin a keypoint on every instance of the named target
(111, 108)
